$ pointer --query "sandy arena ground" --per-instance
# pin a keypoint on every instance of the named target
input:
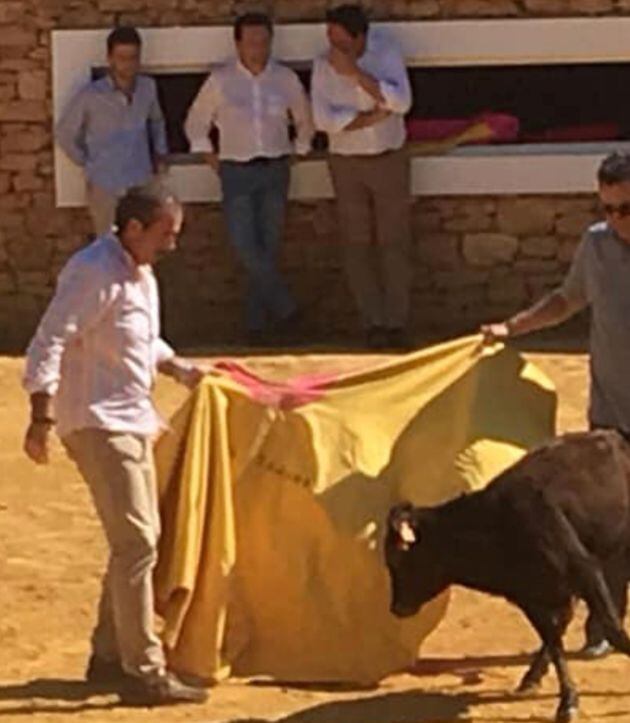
(52, 554)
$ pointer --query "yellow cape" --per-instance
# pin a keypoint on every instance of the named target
(271, 553)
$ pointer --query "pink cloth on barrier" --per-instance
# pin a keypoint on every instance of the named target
(504, 127)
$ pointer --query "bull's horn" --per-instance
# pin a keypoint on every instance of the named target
(406, 533)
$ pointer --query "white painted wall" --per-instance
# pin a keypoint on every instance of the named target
(560, 168)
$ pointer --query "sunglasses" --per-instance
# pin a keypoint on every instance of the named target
(622, 210)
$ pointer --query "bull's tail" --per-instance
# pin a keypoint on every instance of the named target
(593, 588)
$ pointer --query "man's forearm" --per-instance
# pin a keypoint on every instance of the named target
(174, 368)
(549, 311)
(364, 119)
(370, 85)
(41, 406)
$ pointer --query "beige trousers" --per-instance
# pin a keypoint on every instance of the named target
(120, 473)
(102, 208)
(374, 208)
(102, 204)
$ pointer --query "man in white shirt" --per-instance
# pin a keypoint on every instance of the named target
(251, 101)
(90, 370)
(360, 94)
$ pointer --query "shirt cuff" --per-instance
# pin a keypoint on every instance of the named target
(163, 352)
(201, 145)
(394, 100)
(302, 148)
(33, 385)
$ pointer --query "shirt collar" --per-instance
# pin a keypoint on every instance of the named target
(120, 252)
(248, 72)
(111, 84)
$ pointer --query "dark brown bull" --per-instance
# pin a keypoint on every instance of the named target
(552, 528)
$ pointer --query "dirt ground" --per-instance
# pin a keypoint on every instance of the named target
(52, 554)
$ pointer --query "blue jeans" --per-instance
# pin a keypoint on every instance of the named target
(254, 201)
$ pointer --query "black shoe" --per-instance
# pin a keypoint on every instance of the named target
(104, 672)
(376, 338)
(168, 689)
(399, 340)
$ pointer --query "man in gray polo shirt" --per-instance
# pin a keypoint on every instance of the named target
(599, 278)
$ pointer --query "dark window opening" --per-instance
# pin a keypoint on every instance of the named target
(547, 100)
(562, 103)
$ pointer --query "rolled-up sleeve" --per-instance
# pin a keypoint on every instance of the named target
(70, 130)
(201, 117)
(329, 117)
(82, 297)
(163, 352)
(156, 122)
(394, 83)
(574, 288)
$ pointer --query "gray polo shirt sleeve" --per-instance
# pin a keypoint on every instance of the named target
(574, 287)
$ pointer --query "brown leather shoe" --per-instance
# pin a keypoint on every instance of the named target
(168, 689)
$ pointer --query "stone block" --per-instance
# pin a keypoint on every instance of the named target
(438, 250)
(24, 139)
(542, 247)
(32, 85)
(27, 181)
(487, 249)
(592, 7)
(18, 162)
(480, 8)
(547, 7)
(526, 216)
(575, 224)
(11, 12)
(27, 111)
(16, 36)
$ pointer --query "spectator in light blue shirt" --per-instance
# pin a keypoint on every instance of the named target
(114, 129)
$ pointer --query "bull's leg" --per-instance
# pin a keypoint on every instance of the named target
(568, 707)
(616, 576)
(536, 671)
(540, 663)
(551, 628)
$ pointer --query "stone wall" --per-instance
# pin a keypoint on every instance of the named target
(475, 258)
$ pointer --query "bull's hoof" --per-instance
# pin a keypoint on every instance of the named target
(525, 687)
(567, 714)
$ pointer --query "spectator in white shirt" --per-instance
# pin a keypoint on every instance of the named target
(361, 92)
(252, 100)
(93, 359)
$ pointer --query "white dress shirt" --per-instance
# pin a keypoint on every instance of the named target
(338, 99)
(98, 345)
(251, 113)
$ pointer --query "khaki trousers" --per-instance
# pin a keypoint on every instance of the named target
(374, 208)
(120, 473)
(102, 208)
(102, 204)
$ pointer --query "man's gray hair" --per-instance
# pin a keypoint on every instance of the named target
(143, 205)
